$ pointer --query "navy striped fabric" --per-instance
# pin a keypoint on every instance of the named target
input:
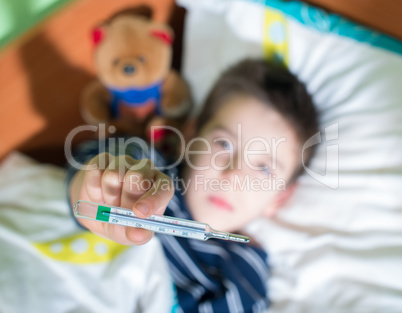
(210, 276)
(215, 275)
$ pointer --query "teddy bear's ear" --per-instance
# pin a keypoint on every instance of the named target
(143, 10)
(98, 34)
(164, 35)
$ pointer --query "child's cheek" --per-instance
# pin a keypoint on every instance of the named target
(200, 162)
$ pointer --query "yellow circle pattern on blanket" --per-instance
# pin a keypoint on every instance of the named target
(82, 248)
(275, 36)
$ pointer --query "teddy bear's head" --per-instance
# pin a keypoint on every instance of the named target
(131, 50)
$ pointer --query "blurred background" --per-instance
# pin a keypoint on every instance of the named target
(46, 59)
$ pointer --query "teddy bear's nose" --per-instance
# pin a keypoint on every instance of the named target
(129, 69)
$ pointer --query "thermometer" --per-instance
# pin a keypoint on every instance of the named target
(157, 223)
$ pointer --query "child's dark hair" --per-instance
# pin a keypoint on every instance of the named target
(274, 85)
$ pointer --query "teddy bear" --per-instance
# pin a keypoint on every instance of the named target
(136, 87)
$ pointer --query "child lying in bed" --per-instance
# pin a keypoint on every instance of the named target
(245, 154)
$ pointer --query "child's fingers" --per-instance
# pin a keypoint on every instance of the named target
(113, 178)
(93, 177)
(156, 199)
(138, 235)
(138, 181)
(123, 181)
(116, 191)
(126, 235)
(103, 181)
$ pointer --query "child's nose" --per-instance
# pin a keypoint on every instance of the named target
(237, 168)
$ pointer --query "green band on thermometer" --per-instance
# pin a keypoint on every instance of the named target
(156, 223)
(100, 216)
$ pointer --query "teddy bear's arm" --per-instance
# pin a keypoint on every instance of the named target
(176, 100)
(95, 103)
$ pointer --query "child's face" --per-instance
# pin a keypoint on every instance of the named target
(261, 151)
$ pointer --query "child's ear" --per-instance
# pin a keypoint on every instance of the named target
(280, 200)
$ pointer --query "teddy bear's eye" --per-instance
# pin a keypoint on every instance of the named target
(129, 69)
(141, 59)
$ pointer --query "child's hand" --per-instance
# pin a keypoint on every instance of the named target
(127, 183)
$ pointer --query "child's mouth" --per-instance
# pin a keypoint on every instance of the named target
(220, 203)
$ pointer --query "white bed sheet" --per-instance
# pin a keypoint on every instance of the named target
(49, 264)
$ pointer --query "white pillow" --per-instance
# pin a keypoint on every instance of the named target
(337, 245)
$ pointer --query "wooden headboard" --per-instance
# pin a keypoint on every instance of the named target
(43, 73)
(381, 15)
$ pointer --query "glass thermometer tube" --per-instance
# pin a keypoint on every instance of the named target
(156, 223)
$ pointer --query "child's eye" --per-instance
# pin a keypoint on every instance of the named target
(265, 169)
(225, 145)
